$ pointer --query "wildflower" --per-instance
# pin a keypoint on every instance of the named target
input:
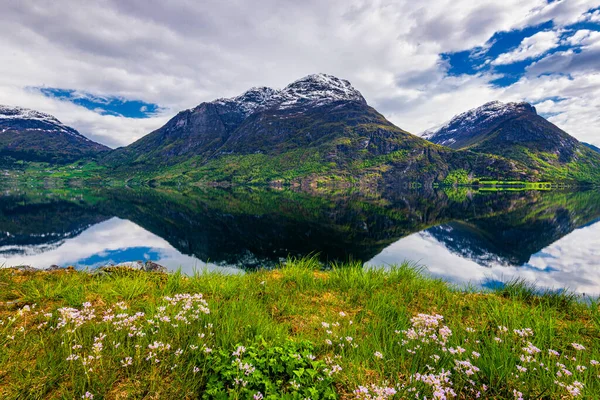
(575, 388)
(126, 362)
(258, 396)
(531, 349)
(87, 395)
(196, 370)
(526, 332)
(553, 352)
(335, 369)
(521, 368)
(239, 381)
(498, 340)
(325, 325)
(329, 342)
(577, 346)
(475, 354)
(518, 395)
(466, 367)
(581, 368)
(378, 354)
(342, 314)
(594, 362)
(239, 351)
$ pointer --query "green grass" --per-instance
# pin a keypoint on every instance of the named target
(285, 319)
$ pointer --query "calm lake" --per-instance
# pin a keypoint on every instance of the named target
(464, 236)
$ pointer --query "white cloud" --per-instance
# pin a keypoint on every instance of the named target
(584, 37)
(180, 53)
(114, 131)
(592, 16)
(561, 12)
(567, 263)
(530, 47)
(103, 239)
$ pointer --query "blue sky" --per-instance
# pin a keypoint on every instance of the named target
(104, 105)
(117, 70)
(481, 58)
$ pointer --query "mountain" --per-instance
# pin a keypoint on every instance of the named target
(30, 225)
(515, 131)
(31, 135)
(591, 146)
(316, 128)
(512, 234)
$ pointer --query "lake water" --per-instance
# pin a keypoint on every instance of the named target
(464, 236)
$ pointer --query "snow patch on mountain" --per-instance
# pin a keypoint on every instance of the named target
(312, 90)
(17, 118)
(485, 114)
(319, 89)
(8, 112)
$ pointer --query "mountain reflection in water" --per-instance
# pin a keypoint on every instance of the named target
(484, 238)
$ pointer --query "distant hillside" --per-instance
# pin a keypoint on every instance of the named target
(29, 135)
(591, 146)
(515, 131)
(316, 128)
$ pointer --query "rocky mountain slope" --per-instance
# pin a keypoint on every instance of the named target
(515, 131)
(31, 135)
(318, 127)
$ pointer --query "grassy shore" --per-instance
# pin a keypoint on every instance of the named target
(294, 333)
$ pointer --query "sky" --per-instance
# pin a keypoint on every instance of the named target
(116, 70)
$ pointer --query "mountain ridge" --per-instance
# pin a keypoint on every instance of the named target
(31, 135)
(316, 126)
(515, 131)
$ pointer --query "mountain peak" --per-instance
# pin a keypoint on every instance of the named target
(321, 88)
(498, 106)
(465, 125)
(16, 112)
(311, 90)
(32, 135)
(18, 118)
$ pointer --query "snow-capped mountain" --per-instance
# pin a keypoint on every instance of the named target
(315, 124)
(312, 90)
(19, 118)
(32, 135)
(464, 129)
(515, 131)
(239, 124)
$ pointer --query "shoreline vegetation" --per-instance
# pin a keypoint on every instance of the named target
(94, 176)
(295, 332)
(92, 173)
